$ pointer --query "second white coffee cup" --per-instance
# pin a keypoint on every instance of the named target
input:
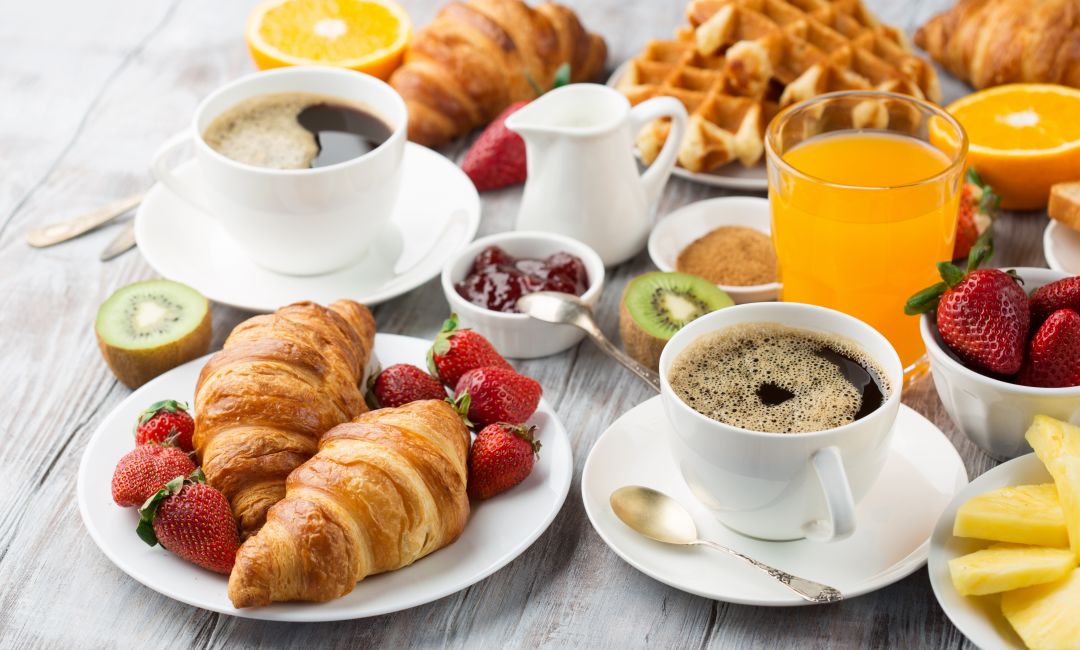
(779, 486)
(295, 221)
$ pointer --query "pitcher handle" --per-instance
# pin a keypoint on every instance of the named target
(829, 467)
(658, 172)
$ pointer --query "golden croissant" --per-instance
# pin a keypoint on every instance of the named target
(383, 491)
(477, 58)
(992, 42)
(281, 382)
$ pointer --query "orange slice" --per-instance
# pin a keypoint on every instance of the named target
(365, 35)
(1023, 139)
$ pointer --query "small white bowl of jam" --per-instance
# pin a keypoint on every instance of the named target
(483, 282)
(726, 241)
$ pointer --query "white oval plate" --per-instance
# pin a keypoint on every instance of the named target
(732, 176)
(436, 215)
(499, 529)
(679, 229)
(1061, 247)
(891, 540)
(979, 618)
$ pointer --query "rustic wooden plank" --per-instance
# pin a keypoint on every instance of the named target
(98, 86)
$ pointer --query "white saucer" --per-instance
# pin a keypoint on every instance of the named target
(979, 618)
(499, 529)
(890, 542)
(732, 176)
(437, 213)
(675, 231)
(1061, 247)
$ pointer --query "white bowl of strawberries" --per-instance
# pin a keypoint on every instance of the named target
(1003, 351)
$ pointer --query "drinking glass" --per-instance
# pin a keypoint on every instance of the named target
(864, 188)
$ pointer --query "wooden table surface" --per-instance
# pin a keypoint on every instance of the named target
(90, 89)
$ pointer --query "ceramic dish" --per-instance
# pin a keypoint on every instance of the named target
(498, 530)
(979, 618)
(517, 335)
(677, 230)
(437, 213)
(994, 414)
(1061, 247)
(732, 176)
(891, 539)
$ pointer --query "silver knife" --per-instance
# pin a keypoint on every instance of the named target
(124, 242)
(65, 230)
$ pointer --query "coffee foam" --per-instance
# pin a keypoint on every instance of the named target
(264, 131)
(719, 374)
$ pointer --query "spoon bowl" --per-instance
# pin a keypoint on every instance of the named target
(654, 515)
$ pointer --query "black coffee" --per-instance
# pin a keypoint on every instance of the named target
(295, 131)
(778, 379)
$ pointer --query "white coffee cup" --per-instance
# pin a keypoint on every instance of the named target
(782, 486)
(295, 221)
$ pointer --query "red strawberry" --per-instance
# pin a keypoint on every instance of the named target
(982, 315)
(494, 394)
(1063, 294)
(166, 421)
(501, 457)
(497, 158)
(403, 383)
(1054, 354)
(977, 202)
(456, 352)
(142, 471)
(194, 521)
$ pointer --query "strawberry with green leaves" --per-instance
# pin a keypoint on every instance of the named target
(501, 457)
(982, 314)
(193, 521)
(457, 351)
(977, 205)
(497, 158)
(166, 421)
(495, 394)
(144, 470)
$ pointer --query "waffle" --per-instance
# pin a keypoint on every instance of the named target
(741, 61)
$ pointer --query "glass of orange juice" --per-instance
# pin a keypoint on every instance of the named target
(864, 188)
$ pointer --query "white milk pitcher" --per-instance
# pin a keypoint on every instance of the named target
(583, 177)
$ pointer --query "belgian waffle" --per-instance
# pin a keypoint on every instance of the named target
(741, 61)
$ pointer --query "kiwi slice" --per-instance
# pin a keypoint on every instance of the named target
(656, 305)
(149, 327)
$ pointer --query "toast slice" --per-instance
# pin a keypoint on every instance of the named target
(1065, 204)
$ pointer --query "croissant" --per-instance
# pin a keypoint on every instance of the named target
(262, 403)
(477, 58)
(992, 42)
(383, 491)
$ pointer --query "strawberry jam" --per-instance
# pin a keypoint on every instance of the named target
(497, 279)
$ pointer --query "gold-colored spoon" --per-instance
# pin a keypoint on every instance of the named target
(660, 517)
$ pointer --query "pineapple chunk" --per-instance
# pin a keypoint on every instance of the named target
(1004, 567)
(1021, 514)
(1052, 439)
(1046, 616)
(1066, 471)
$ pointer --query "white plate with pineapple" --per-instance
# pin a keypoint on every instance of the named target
(1030, 577)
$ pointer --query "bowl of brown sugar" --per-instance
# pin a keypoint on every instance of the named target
(726, 241)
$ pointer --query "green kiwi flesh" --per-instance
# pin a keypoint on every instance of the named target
(656, 305)
(147, 328)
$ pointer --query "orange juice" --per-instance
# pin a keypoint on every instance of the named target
(860, 220)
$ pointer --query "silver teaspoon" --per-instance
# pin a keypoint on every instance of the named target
(657, 516)
(568, 309)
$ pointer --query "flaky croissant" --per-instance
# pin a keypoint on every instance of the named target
(477, 58)
(992, 42)
(281, 382)
(384, 490)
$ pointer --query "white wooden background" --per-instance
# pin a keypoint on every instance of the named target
(88, 89)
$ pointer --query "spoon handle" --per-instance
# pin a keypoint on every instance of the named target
(65, 230)
(814, 592)
(646, 374)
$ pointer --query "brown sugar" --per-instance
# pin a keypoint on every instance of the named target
(731, 255)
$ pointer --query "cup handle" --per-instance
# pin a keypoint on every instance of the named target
(829, 467)
(658, 172)
(163, 173)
